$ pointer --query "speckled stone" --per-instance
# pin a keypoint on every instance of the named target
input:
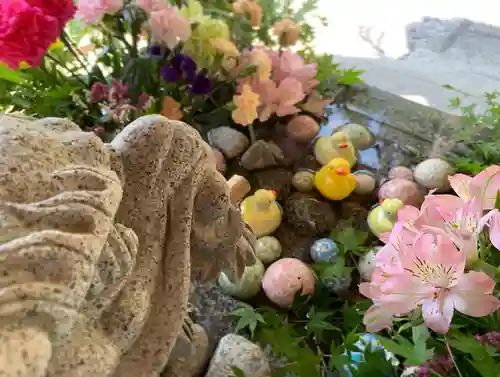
(236, 351)
(109, 307)
(433, 174)
(229, 141)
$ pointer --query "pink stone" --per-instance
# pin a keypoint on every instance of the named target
(220, 162)
(401, 172)
(302, 128)
(407, 191)
(284, 278)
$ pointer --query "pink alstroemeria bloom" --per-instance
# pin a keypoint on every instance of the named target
(433, 278)
(92, 11)
(291, 65)
(410, 219)
(169, 26)
(278, 99)
(484, 186)
(460, 221)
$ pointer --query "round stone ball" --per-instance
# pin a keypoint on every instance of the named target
(302, 128)
(268, 249)
(248, 285)
(407, 191)
(401, 172)
(365, 184)
(366, 265)
(433, 174)
(338, 284)
(324, 250)
(285, 278)
(303, 181)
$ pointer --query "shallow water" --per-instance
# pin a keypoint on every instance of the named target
(393, 146)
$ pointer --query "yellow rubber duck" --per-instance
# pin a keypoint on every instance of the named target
(334, 180)
(261, 212)
(382, 218)
(337, 145)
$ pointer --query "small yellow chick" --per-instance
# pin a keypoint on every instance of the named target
(382, 218)
(334, 180)
(261, 212)
(336, 146)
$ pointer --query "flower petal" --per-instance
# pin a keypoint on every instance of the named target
(494, 222)
(486, 185)
(378, 318)
(438, 313)
(472, 295)
(460, 184)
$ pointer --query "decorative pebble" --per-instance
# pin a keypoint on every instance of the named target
(365, 184)
(303, 181)
(229, 141)
(268, 249)
(366, 265)
(302, 128)
(360, 136)
(401, 172)
(406, 191)
(285, 278)
(324, 250)
(220, 162)
(338, 284)
(248, 285)
(433, 174)
(237, 351)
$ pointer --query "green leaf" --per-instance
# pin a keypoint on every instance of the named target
(349, 237)
(10, 75)
(237, 372)
(497, 200)
(420, 334)
(317, 323)
(248, 318)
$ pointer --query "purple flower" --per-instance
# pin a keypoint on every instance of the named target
(182, 66)
(156, 51)
(201, 84)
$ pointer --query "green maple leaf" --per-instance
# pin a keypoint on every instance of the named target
(248, 317)
(318, 324)
(350, 76)
(349, 238)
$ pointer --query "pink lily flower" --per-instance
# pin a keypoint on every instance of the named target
(291, 64)
(484, 186)
(278, 99)
(410, 219)
(433, 278)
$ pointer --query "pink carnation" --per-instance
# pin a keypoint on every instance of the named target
(63, 10)
(92, 11)
(26, 33)
(169, 26)
(147, 5)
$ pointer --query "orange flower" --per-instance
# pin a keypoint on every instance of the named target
(260, 59)
(287, 32)
(225, 47)
(251, 8)
(171, 109)
(246, 106)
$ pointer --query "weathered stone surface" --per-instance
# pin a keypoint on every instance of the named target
(101, 305)
(309, 215)
(278, 179)
(213, 309)
(236, 351)
(294, 245)
(262, 155)
(229, 141)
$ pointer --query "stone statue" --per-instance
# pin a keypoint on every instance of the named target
(98, 245)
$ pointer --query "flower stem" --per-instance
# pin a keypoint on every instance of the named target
(253, 139)
(73, 73)
(452, 358)
(71, 48)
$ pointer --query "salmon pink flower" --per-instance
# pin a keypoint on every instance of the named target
(431, 277)
(169, 26)
(92, 11)
(171, 109)
(287, 32)
(291, 64)
(251, 8)
(484, 186)
(26, 33)
(316, 104)
(279, 99)
(246, 106)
